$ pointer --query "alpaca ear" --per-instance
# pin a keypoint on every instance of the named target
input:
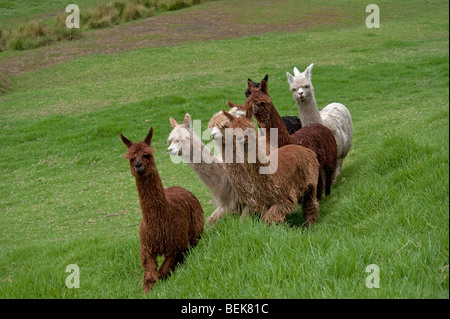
(296, 72)
(148, 138)
(308, 70)
(230, 116)
(239, 107)
(126, 141)
(173, 122)
(187, 121)
(231, 104)
(263, 87)
(251, 85)
(266, 78)
(289, 77)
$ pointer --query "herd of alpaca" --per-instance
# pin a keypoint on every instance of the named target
(304, 156)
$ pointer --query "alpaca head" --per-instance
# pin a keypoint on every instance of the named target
(235, 109)
(260, 102)
(180, 137)
(300, 84)
(140, 155)
(248, 92)
(217, 125)
(242, 128)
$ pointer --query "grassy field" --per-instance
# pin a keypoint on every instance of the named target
(67, 195)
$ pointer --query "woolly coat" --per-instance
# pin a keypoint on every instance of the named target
(317, 137)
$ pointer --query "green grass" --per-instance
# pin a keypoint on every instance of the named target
(67, 196)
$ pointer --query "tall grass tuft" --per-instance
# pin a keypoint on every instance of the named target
(62, 32)
(31, 35)
(135, 11)
(2, 40)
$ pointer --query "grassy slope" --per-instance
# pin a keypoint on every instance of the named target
(62, 163)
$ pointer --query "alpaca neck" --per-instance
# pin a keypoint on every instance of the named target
(308, 111)
(152, 197)
(275, 121)
(204, 170)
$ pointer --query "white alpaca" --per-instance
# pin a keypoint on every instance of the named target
(335, 116)
(209, 168)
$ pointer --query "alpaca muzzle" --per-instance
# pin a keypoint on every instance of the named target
(139, 168)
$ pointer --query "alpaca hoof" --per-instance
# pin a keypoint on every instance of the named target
(274, 218)
(147, 288)
(211, 220)
(310, 221)
(244, 216)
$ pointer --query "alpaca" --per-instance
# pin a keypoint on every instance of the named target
(316, 137)
(209, 169)
(292, 123)
(296, 175)
(247, 93)
(235, 171)
(335, 116)
(172, 218)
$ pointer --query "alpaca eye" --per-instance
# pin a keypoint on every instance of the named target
(146, 156)
(306, 86)
(293, 90)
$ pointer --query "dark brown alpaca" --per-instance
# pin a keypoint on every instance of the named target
(294, 177)
(172, 218)
(316, 137)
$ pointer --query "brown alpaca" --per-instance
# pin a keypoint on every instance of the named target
(236, 173)
(316, 137)
(172, 218)
(294, 178)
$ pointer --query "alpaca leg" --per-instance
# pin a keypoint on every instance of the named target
(310, 206)
(330, 178)
(245, 212)
(276, 214)
(179, 259)
(167, 265)
(320, 184)
(150, 270)
(216, 215)
(338, 168)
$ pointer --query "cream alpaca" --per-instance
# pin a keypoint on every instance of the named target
(335, 116)
(209, 169)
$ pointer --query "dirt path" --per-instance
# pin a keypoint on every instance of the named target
(200, 23)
